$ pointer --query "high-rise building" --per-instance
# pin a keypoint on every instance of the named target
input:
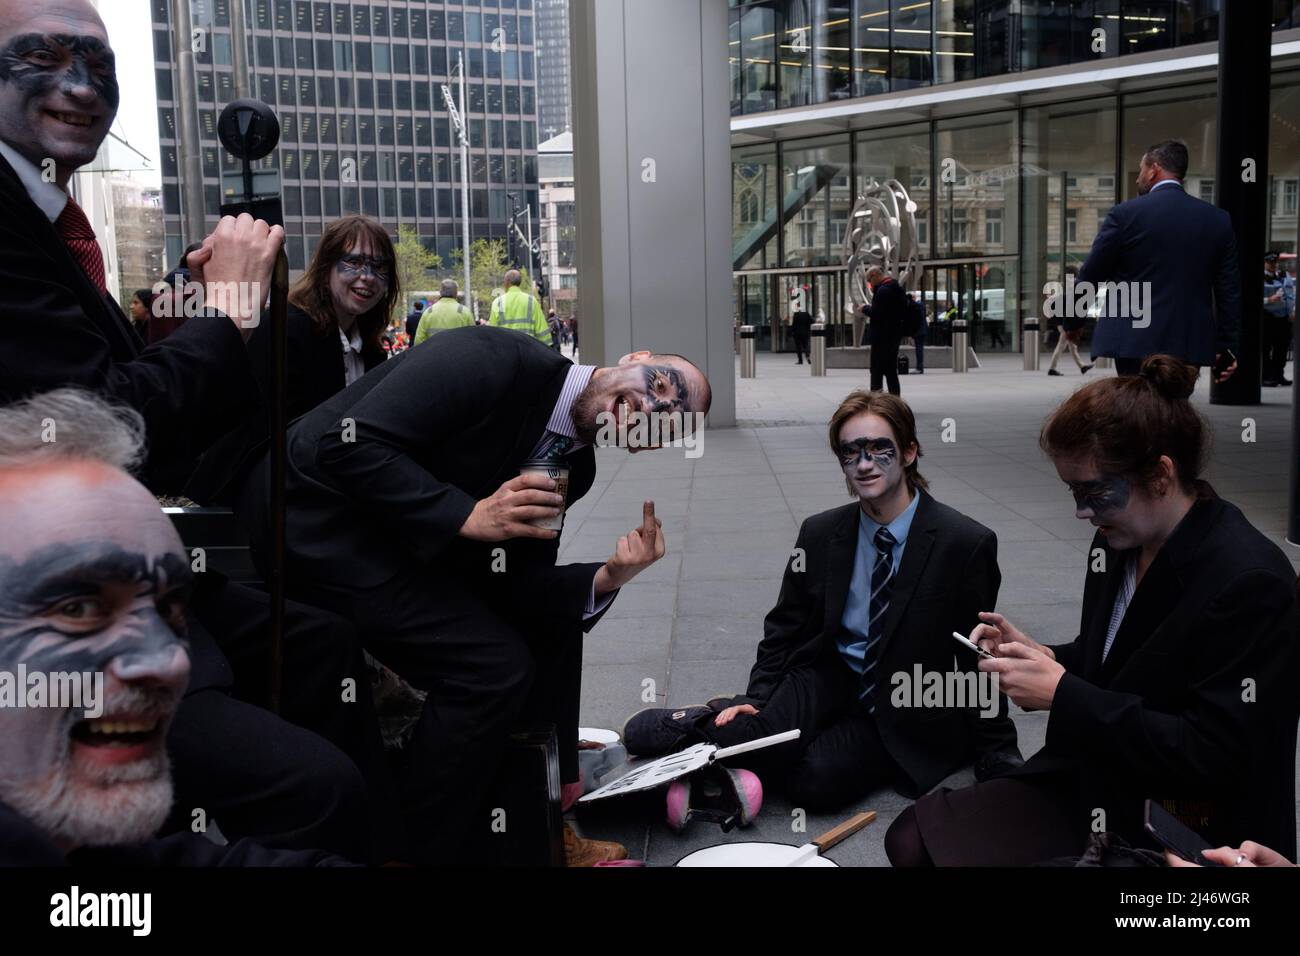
(554, 113)
(364, 128)
(138, 220)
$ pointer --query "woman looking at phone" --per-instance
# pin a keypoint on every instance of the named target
(1180, 686)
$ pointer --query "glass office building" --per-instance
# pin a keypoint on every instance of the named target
(1014, 125)
(364, 128)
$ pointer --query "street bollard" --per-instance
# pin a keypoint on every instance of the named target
(1033, 358)
(959, 358)
(748, 363)
(817, 355)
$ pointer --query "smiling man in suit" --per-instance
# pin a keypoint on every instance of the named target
(871, 596)
(408, 515)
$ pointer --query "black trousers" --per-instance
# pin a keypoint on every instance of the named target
(919, 340)
(1276, 335)
(1128, 366)
(884, 365)
(839, 756)
(1006, 821)
(489, 668)
(317, 778)
(801, 346)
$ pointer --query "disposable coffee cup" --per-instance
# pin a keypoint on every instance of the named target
(557, 472)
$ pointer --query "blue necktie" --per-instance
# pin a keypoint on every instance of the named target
(553, 447)
(882, 582)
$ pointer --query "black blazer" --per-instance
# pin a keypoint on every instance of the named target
(57, 329)
(889, 313)
(384, 474)
(315, 373)
(1213, 621)
(949, 573)
(1185, 248)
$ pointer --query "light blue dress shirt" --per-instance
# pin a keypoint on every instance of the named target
(852, 639)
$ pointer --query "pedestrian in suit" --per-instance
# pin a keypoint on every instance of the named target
(890, 316)
(801, 324)
(408, 515)
(1180, 686)
(1180, 255)
(59, 327)
(871, 596)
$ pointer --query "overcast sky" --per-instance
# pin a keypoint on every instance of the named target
(131, 34)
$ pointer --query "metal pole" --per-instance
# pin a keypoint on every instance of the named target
(1032, 356)
(747, 357)
(1245, 39)
(191, 160)
(464, 175)
(279, 468)
(239, 46)
(960, 360)
(817, 353)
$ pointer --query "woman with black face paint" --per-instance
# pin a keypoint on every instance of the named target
(337, 314)
(1180, 687)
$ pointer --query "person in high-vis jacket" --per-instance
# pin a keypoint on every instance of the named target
(516, 309)
(444, 314)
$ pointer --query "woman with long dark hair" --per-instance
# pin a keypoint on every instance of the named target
(1181, 685)
(337, 313)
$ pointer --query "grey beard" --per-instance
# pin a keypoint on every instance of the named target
(80, 814)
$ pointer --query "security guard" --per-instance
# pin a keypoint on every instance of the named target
(444, 314)
(516, 309)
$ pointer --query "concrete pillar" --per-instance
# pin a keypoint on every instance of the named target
(652, 163)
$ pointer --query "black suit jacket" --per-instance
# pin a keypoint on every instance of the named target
(948, 574)
(315, 373)
(1185, 248)
(57, 329)
(1212, 622)
(889, 313)
(385, 473)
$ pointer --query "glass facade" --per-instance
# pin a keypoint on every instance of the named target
(788, 53)
(1006, 201)
(358, 89)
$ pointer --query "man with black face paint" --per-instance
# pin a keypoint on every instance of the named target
(871, 595)
(408, 514)
(93, 580)
(58, 98)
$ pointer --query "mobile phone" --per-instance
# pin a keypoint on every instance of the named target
(974, 647)
(1175, 837)
(1224, 362)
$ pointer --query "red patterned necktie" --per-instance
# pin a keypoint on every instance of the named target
(75, 229)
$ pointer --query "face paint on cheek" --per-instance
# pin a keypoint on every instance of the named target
(89, 63)
(1108, 495)
(881, 452)
(665, 387)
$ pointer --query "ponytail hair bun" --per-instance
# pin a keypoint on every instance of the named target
(1172, 378)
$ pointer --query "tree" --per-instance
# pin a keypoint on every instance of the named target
(414, 263)
(487, 264)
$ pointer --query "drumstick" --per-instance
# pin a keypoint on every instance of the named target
(831, 838)
(758, 744)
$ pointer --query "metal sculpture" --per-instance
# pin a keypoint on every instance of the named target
(881, 232)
